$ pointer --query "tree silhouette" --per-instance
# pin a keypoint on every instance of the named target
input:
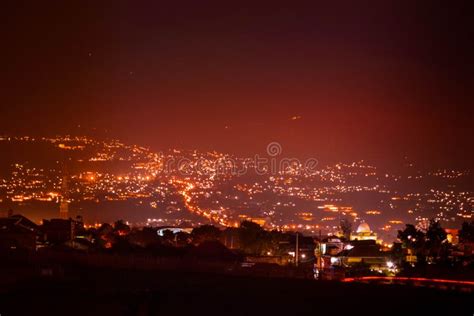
(144, 237)
(183, 239)
(435, 236)
(121, 228)
(413, 239)
(423, 244)
(346, 228)
(205, 233)
(254, 239)
(466, 234)
(104, 236)
(169, 238)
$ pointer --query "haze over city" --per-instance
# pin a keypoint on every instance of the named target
(375, 81)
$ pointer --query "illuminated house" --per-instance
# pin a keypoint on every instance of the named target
(367, 252)
(364, 233)
(174, 230)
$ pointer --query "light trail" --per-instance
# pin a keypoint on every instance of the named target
(377, 278)
(185, 190)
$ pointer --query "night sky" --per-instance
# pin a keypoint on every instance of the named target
(373, 80)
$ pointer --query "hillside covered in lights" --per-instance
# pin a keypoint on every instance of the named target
(102, 180)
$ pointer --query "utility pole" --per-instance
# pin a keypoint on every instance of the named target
(320, 256)
(297, 250)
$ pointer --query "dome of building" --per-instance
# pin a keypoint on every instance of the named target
(363, 228)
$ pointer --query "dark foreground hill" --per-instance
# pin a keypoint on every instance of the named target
(93, 291)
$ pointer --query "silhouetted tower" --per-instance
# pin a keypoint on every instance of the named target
(64, 201)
